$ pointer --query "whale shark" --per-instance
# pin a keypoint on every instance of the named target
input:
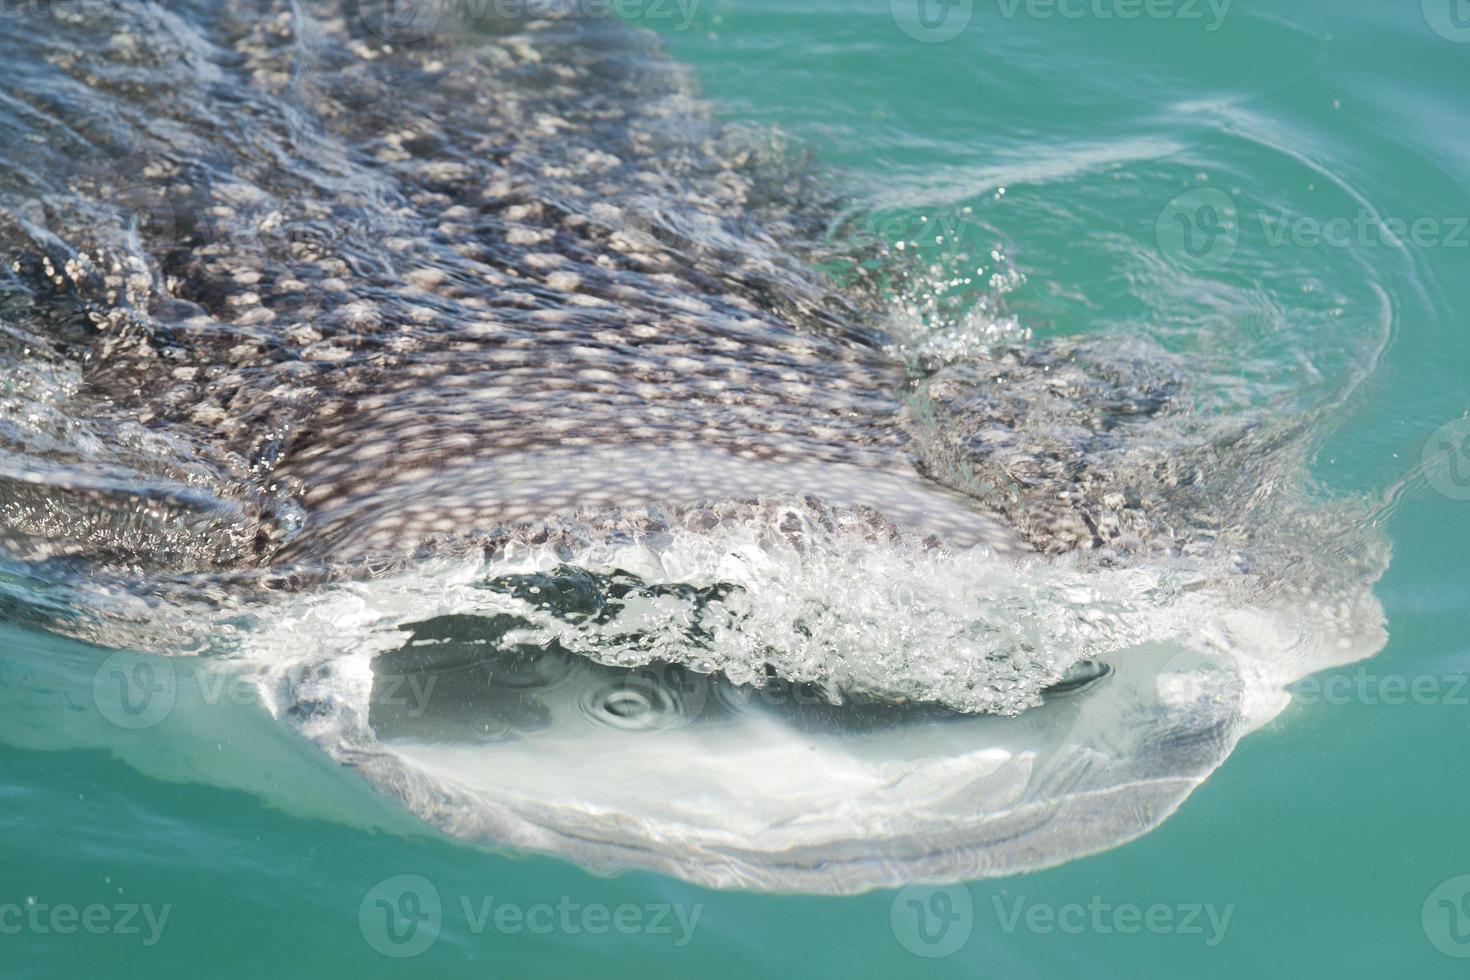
(538, 444)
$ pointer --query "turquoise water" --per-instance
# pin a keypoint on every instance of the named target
(1322, 847)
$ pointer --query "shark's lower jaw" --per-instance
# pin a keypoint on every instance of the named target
(661, 707)
(772, 787)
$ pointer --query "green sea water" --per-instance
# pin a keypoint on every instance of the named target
(1285, 181)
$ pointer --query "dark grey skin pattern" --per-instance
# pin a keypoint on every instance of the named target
(369, 285)
(318, 298)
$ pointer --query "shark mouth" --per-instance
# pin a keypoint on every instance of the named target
(779, 706)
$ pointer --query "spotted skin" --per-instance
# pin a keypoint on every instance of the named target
(375, 303)
(387, 296)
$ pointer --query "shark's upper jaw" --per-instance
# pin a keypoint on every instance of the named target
(479, 499)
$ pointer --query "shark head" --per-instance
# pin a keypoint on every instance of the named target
(521, 434)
